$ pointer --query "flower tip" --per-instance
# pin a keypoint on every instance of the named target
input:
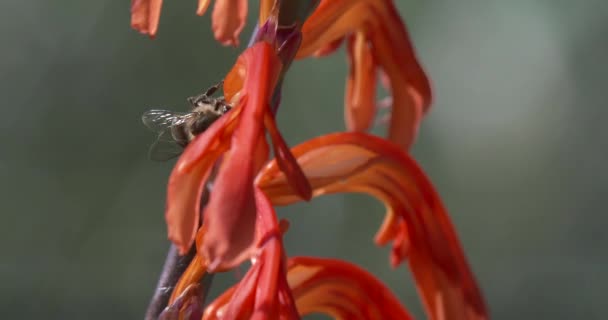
(228, 20)
(202, 6)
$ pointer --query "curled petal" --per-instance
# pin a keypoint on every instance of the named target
(145, 15)
(286, 160)
(360, 100)
(391, 49)
(416, 220)
(329, 48)
(341, 290)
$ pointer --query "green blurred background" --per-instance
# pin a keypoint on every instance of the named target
(514, 143)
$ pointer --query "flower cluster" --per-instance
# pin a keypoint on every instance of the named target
(239, 223)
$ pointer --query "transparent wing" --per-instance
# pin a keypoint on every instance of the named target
(160, 120)
(164, 148)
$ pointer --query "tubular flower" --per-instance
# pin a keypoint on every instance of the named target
(237, 141)
(227, 21)
(378, 44)
(416, 221)
(263, 293)
(275, 289)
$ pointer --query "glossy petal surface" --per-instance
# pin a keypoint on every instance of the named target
(341, 290)
(416, 220)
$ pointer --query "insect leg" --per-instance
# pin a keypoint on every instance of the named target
(214, 88)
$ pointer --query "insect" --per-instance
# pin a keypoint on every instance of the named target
(176, 129)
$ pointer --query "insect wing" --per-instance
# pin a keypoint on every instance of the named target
(161, 120)
(164, 147)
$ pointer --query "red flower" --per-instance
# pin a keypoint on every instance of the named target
(329, 286)
(238, 141)
(378, 43)
(416, 221)
(263, 293)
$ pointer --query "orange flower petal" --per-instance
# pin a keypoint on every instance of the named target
(188, 179)
(229, 218)
(193, 274)
(265, 8)
(286, 161)
(263, 292)
(228, 20)
(202, 7)
(360, 85)
(187, 306)
(415, 220)
(341, 290)
(391, 49)
(145, 15)
(328, 48)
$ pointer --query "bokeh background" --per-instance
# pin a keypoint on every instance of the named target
(515, 143)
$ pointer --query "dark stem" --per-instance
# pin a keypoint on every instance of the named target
(174, 266)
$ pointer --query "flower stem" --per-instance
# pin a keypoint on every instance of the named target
(173, 268)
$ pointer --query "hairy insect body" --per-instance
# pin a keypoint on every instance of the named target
(177, 129)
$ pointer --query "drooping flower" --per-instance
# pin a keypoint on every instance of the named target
(274, 288)
(416, 221)
(263, 293)
(238, 141)
(378, 45)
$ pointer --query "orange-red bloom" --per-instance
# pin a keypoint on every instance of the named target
(378, 43)
(227, 21)
(263, 293)
(416, 221)
(275, 289)
(238, 139)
